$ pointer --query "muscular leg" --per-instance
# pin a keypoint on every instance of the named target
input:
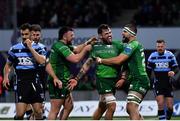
(68, 106)
(55, 107)
(160, 102)
(99, 111)
(134, 99)
(169, 104)
(29, 112)
(20, 111)
(111, 107)
(37, 110)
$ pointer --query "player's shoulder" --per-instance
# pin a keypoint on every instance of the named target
(167, 52)
(58, 44)
(41, 44)
(17, 46)
(155, 53)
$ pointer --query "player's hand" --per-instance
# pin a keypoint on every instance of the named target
(91, 41)
(171, 73)
(71, 84)
(6, 83)
(98, 60)
(57, 83)
(119, 83)
(88, 47)
(28, 43)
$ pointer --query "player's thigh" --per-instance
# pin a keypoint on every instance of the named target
(69, 101)
(20, 108)
(169, 102)
(160, 100)
(37, 107)
(56, 104)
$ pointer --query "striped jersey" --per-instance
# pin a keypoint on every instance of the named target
(23, 61)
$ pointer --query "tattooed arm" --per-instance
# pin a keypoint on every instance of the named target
(82, 72)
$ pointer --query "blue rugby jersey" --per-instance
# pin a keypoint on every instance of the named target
(161, 64)
(23, 61)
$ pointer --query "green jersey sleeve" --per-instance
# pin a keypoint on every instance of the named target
(63, 49)
(130, 48)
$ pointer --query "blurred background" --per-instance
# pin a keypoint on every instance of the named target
(89, 13)
(154, 18)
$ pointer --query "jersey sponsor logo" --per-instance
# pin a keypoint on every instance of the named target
(25, 61)
(128, 50)
(109, 46)
(162, 65)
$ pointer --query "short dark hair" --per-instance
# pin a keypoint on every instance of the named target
(101, 27)
(25, 26)
(132, 27)
(160, 41)
(35, 27)
(63, 30)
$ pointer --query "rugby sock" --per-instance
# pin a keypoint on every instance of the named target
(161, 115)
(169, 113)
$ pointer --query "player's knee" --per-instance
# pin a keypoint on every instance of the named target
(112, 107)
(132, 102)
(38, 113)
(69, 107)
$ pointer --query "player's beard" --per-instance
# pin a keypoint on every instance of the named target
(125, 39)
(69, 43)
(106, 42)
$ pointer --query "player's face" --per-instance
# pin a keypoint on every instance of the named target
(106, 35)
(69, 36)
(160, 47)
(25, 34)
(36, 36)
(126, 36)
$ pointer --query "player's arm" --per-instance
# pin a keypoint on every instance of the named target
(75, 58)
(174, 66)
(50, 71)
(118, 60)
(80, 47)
(173, 71)
(39, 58)
(123, 76)
(7, 69)
(82, 72)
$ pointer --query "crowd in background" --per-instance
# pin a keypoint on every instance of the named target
(89, 13)
(158, 13)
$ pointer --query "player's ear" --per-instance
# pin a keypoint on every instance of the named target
(64, 36)
(99, 36)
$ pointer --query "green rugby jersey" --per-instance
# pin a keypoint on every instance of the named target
(60, 65)
(103, 50)
(136, 61)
